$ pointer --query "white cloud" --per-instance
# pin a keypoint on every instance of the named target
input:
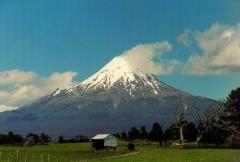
(16, 77)
(148, 58)
(18, 88)
(220, 45)
(184, 38)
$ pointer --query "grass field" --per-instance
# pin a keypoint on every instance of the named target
(143, 153)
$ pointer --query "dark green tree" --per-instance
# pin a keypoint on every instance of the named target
(61, 139)
(35, 138)
(11, 138)
(156, 133)
(81, 138)
(45, 138)
(189, 131)
(124, 136)
(143, 133)
(134, 133)
(230, 118)
(172, 133)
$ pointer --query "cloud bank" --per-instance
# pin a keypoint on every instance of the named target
(148, 58)
(218, 53)
(220, 46)
(18, 88)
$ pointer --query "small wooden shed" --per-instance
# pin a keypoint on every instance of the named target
(104, 141)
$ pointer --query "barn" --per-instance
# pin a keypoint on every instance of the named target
(104, 141)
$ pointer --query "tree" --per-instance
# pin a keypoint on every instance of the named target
(133, 133)
(81, 138)
(61, 139)
(230, 118)
(213, 134)
(45, 138)
(11, 138)
(124, 136)
(172, 133)
(117, 135)
(222, 124)
(180, 121)
(33, 139)
(15, 138)
(208, 129)
(143, 133)
(156, 133)
(189, 130)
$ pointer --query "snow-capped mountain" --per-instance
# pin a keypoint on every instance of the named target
(118, 74)
(118, 71)
(116, 97)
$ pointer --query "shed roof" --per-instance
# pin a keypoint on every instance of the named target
(101, 136)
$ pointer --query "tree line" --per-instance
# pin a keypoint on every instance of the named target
(15, 139)
(158, 134)
(219, 126)
(36, 139)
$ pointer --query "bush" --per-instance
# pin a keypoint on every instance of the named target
(131, 146)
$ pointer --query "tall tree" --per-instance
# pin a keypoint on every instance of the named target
(156, 133)
(180, 121)
(134, 133)
(45, 138)
(124, 136)
(61, 139)
(230, 118)
(143, 133)
(189, 130)
(172, 133)
(208, 129)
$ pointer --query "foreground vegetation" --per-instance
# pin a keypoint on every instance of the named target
(145, 152)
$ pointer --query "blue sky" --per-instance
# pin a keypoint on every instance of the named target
(49, 36)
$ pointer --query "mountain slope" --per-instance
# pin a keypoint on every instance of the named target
(115, 98)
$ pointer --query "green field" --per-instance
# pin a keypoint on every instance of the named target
(143, 153)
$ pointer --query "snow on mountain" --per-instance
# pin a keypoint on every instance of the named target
(119, 74)
(109, 74)
(4, 108)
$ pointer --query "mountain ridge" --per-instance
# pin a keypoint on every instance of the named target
(115, 98)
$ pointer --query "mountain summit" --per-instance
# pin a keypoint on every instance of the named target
(117, 97)
(119, 77)
(118, 73)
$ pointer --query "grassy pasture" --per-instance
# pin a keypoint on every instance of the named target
(144, 153)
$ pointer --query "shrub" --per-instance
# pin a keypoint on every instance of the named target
(131, 146)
